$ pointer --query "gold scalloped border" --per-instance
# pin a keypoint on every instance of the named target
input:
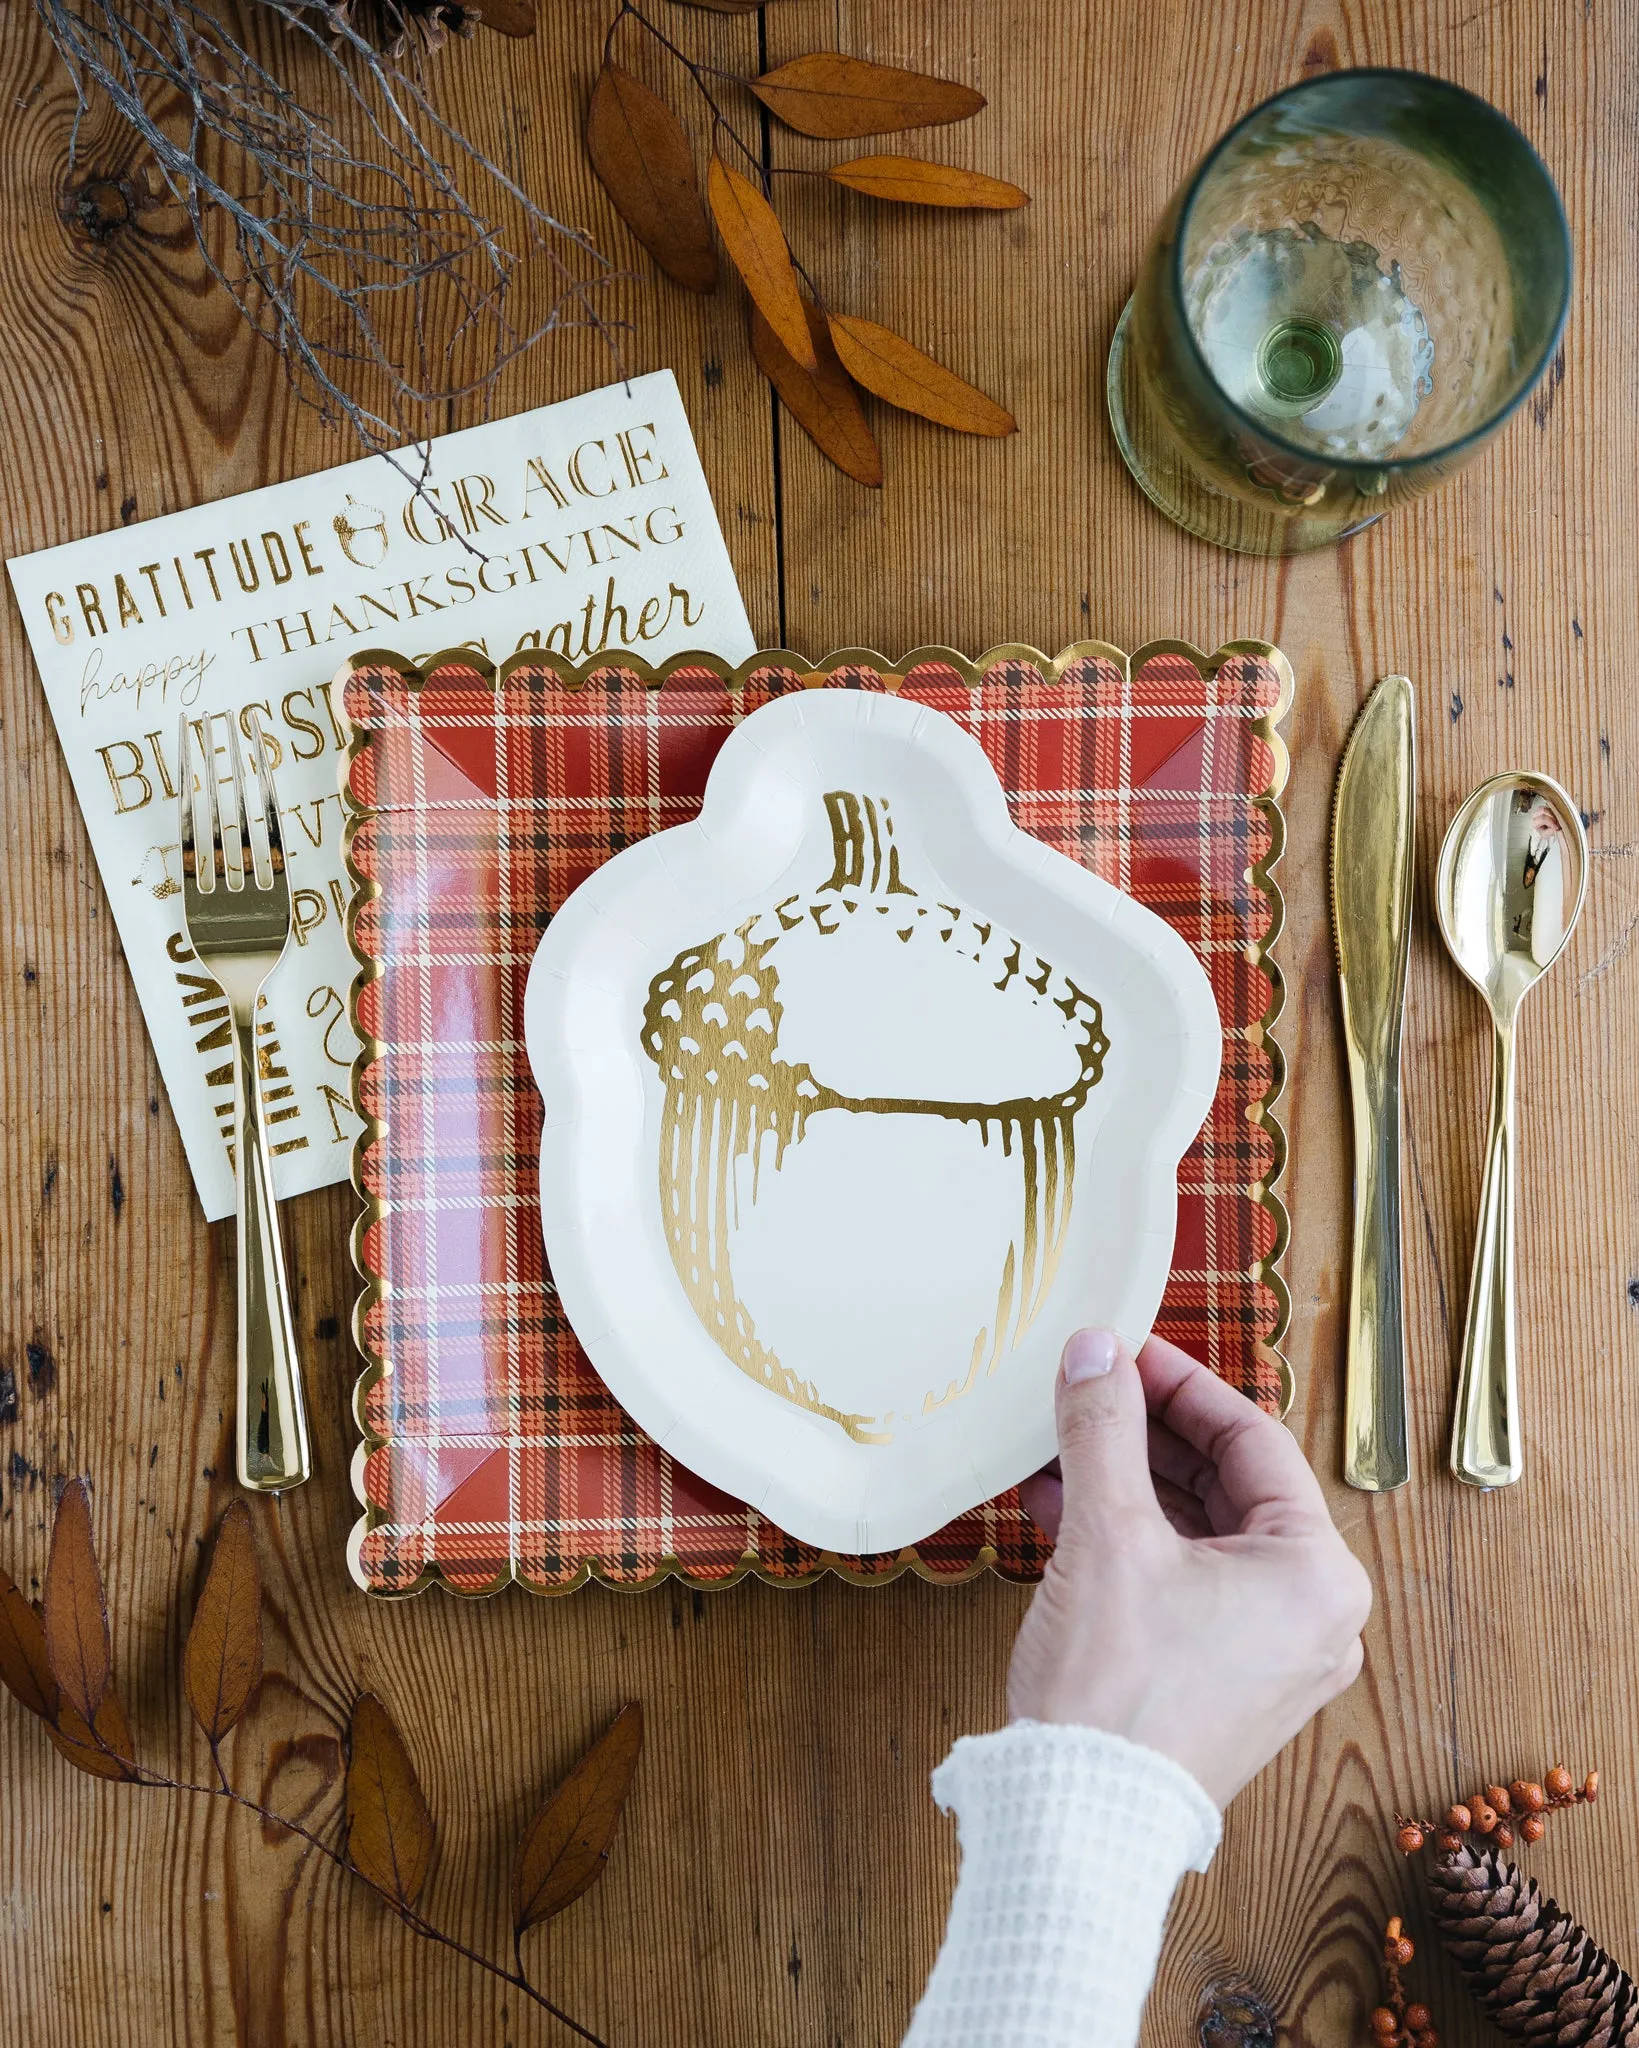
(574, 676)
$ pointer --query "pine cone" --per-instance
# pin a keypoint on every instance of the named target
(1539, 1975)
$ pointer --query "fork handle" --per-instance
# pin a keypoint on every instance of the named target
(272, 1427)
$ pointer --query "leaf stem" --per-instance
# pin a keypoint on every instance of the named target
(411, 1919)
(514, 1977)
(698, 73)
(764, 171)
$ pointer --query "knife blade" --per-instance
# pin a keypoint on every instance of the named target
(1374, 816)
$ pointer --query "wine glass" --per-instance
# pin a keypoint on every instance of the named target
(1343, 303)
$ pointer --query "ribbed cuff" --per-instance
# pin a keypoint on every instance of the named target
(1073, 1842)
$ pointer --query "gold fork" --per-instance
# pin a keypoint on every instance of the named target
(236, 903)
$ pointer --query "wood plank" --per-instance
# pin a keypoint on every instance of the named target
(1483, 1652)
(783, 1875)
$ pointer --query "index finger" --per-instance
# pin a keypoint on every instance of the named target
(1262, 1475)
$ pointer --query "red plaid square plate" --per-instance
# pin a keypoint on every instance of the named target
(477, 800)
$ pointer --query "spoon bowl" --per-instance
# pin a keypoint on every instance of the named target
(1513, 872)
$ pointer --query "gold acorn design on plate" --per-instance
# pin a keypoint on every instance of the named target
(736, 1104)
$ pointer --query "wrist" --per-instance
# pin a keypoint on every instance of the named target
(1056, 1765)
(1174, 1740)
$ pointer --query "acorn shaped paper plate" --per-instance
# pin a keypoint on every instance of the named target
(858, 1101)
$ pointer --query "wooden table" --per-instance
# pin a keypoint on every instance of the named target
(782, 1875)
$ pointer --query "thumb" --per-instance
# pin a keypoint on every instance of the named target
(1103, 1438)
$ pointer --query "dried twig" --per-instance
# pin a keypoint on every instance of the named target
(370, 242)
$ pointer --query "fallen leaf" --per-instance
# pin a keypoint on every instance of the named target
(222, 1663)
(916, 183)
(822, 401)
(884, 362)
(753, 237)
(76, 1613)
(389, 1830)
(25, 1669)
(566, 1845)
(644, 163)
(509, 17)
(838, 97)
(110, 1753)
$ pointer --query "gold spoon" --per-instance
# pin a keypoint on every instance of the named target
(1513, 871)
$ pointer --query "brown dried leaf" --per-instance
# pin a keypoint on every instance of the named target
(566, 1845)
(756, 245)
(110, 1753)
(76, 1612)
(823, 401)
(389, 1830)
(915, 182)
(838, 97)
(884, 362)
(25, 1669)
(222, 1663)
(508, 17)
(643, 161)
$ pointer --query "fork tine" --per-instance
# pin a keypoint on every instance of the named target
(185, 804)
(270, 803)
(215, 868)
(248, 876)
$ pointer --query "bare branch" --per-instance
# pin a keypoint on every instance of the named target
(368, 241)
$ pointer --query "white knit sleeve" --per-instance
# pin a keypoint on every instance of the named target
(1072, 1844)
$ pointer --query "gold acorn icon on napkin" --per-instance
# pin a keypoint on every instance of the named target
(763, 1038)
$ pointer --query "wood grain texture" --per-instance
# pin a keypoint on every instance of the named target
(781, 1876)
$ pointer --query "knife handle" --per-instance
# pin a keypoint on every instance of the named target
(1374, 1388)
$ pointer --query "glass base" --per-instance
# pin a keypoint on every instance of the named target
(1177, 488)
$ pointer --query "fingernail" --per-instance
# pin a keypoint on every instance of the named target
(1089, 1355)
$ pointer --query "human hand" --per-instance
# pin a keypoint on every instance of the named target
(1199, 1600)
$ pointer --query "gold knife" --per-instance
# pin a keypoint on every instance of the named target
(1374, 814)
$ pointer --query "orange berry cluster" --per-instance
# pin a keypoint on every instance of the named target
(1400, 2023)
(1500, 1815)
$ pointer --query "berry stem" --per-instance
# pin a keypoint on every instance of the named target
(1499, 1816)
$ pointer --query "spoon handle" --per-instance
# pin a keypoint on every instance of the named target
(1485, 1449)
